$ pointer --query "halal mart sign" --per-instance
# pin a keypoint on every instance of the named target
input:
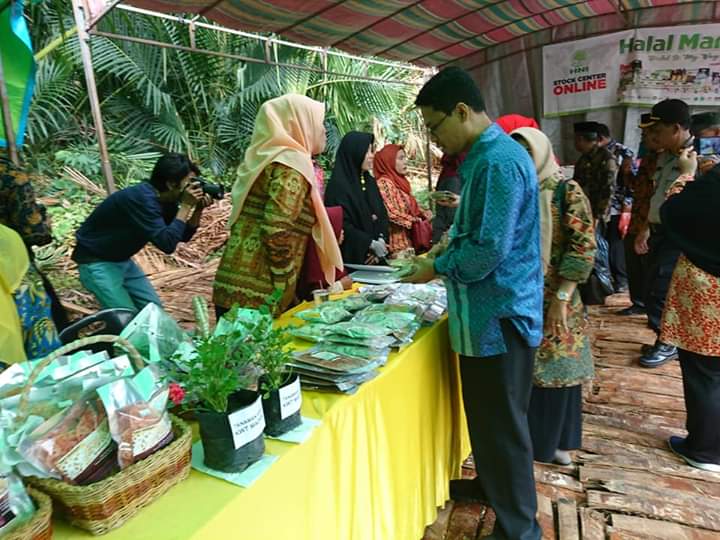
(634, 67)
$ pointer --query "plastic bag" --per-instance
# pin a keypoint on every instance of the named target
(154, 333)
(136, 410)
(354, 351)
(74, 445)
(311, 332)
(328, 313)
(16, 507)
(359, 330)
(600, 284)
(353, 303)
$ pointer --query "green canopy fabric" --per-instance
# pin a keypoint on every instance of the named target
(19, 68)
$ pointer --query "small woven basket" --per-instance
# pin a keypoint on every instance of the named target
(105, 505)
(40, 525)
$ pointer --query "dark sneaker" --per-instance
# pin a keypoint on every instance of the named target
(467, 491)
(646, 349)
(632, 310)
(677, 445)
(660, 354)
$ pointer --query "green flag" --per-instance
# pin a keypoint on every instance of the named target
(19, 67)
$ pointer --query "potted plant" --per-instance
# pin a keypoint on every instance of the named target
(280, 387)
(214, 380)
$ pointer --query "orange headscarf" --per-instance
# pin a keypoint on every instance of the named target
(290, 130)
(384, 167)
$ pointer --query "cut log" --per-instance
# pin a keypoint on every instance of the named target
(568, 528)
(438, 529)
(464, 521)
(594, 477)
(546, 518)
(652, 529)
(592, 524)
(706, 516)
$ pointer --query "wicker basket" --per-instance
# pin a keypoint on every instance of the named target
(103, 506)
(40, 525)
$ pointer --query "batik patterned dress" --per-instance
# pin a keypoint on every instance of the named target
(400, 214)
(267, 243)
(567, 360)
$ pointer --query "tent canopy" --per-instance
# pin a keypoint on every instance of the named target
(439, 32)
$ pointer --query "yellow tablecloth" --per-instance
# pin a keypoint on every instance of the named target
(376, 468)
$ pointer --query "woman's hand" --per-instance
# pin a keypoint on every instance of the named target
(687, 161)
(556, 322)
(372, 259)
(641, 242)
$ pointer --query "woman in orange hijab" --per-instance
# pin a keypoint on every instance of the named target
(389, 168)
(277, 207)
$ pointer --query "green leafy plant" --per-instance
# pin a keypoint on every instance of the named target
(214, 373)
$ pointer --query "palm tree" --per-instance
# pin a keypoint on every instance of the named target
(155, 100)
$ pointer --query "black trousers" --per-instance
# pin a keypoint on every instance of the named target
(662, 257)
(701, 383)
(496, 394)
(555, 420)
(616, 252)
(636, 266)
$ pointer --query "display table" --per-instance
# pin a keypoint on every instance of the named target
(376, 468)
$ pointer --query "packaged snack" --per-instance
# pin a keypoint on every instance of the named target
(16, 507)
(327, 313)
(74, 445)
(154, 333)
(354, 351)
(359, 330)
(136, 410)
(353, 303)
(333, 362)
(310, 332)
(378, 342)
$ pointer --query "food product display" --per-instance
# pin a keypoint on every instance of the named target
(16, 507)
(75, 445)
(327, 313)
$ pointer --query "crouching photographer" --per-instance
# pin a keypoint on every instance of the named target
(164, 210)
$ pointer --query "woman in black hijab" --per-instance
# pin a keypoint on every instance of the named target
(365, 219)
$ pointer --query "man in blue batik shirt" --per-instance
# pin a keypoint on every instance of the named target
(493, 273)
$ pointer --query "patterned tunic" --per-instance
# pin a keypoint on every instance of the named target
(399, 210)
(18, 208)
(20, 212)
(691, 320)
(596, 172)
(567, 360)
(267, 243)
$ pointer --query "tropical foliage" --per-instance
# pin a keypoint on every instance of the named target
(156, 99)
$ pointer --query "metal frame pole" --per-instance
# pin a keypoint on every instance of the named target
(85, 53)
(7, 119)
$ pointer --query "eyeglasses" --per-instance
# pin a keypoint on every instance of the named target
(433, 130)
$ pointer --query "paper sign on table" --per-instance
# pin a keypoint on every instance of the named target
(243, 479)
(301, 433)
(247, 424)
(290, 399)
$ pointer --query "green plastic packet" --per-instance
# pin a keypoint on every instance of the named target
(328, 313)
(155, 334)
(16, 507)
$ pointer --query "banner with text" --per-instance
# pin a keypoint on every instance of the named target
(633, 67)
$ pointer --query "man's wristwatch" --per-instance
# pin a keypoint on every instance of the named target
(562, 296)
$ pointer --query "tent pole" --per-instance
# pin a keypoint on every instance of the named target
(84, 40)
(7, 119)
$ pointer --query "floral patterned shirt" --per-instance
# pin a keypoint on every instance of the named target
(566, 360)
(18, 208)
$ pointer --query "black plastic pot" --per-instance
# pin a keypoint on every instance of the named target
(217, 437)
(274, 424)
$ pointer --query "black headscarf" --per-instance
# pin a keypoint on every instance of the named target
(364, 215)
(692, 221)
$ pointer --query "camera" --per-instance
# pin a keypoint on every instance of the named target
(216, 191)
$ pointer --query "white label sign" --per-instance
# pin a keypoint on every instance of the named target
(290, 399)
(247, 424)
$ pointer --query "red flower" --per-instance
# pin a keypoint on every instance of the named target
(176, 393)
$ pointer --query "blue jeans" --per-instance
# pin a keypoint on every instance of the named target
(118, 284)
